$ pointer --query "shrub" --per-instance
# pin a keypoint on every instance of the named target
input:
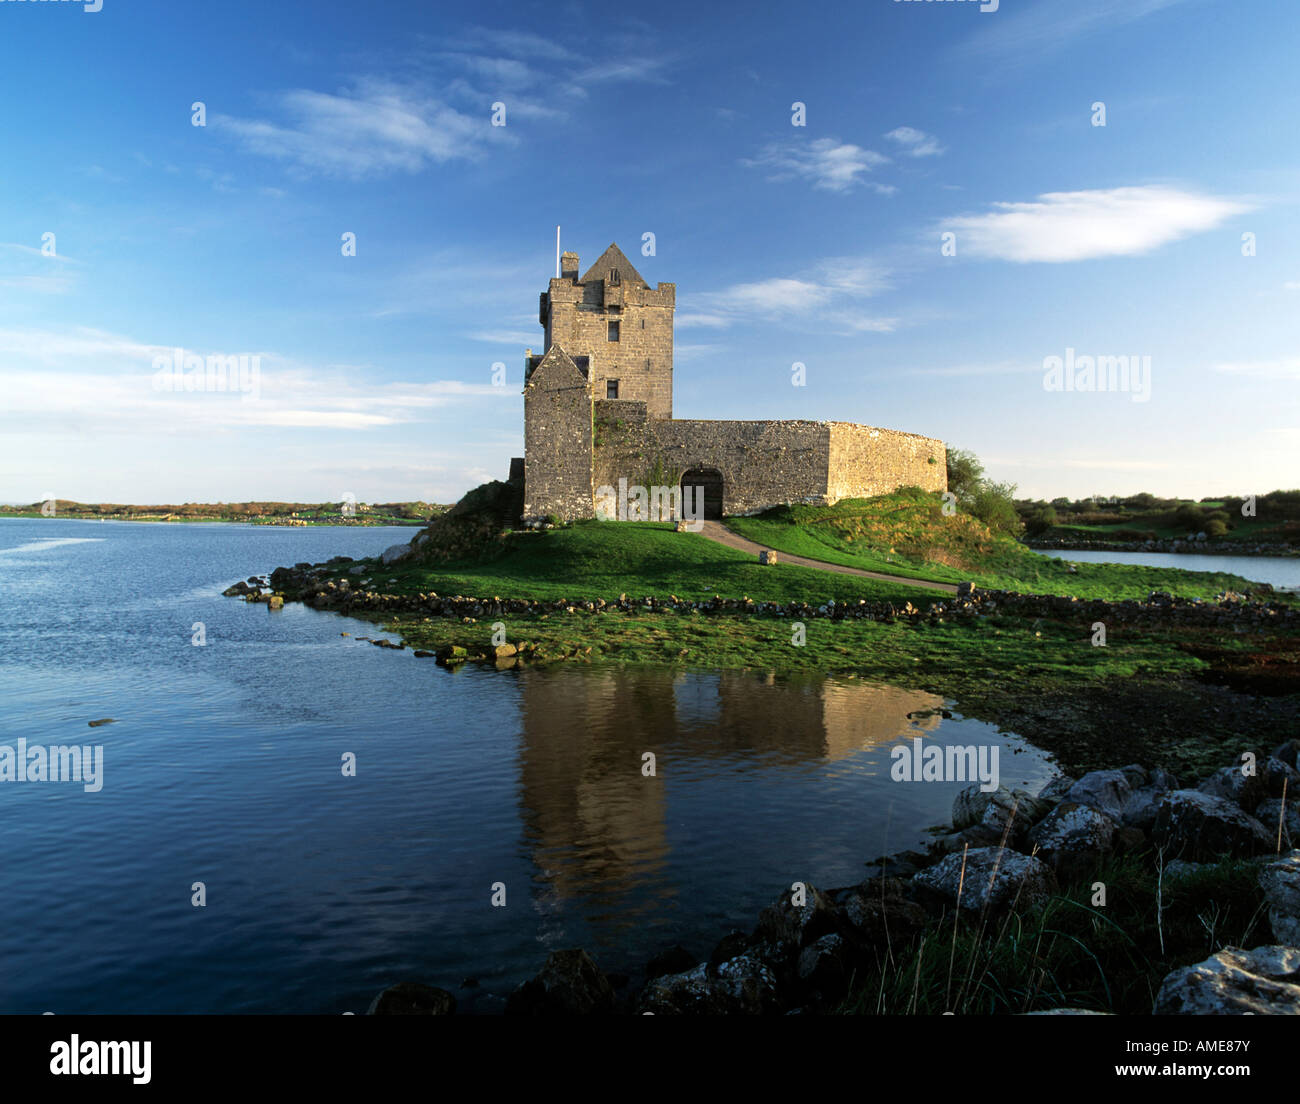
(1216, 528)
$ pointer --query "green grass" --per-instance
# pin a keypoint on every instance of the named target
(907, 534)
(605, 559)
(1071, 952)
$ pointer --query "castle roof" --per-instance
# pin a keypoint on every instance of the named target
(613, 259)
(557, 360)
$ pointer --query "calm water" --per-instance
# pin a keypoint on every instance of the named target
(1281, 571)
(224, 767)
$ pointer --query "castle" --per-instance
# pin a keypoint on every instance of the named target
(598, 407)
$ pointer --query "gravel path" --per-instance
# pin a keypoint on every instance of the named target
(716, 531)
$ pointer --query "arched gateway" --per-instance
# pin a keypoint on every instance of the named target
(709, 480)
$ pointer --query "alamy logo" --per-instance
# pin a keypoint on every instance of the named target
(922, 762)
(1103, 373)
(182, 371)
(57, 763)
(637, 503)
(88, 1057)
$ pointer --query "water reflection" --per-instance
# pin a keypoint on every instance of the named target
(596, 825)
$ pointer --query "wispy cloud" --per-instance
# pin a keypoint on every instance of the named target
(825, 293)
(1018, 38)
(373, 128)
(1077, 226)
(915, 143)
(830, 164)
(106, 380)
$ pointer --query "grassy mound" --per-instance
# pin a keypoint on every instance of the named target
(475, 529)
(907, 533)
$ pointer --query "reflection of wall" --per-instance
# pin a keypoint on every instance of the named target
(596, 825)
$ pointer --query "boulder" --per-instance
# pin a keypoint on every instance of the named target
(1281, 778)
(877, 913)
(569, 984)
(675, 960)
(395, 552)
(1201, 827)
(1280, 882)
(741, 986)
(1056, 789)
(732, 945)
(1073, 839)
(1108, 791)
(1288, 752)
(1271, 815)
(825, 968)
(1244, 790)
(410, 998)
(993, 878)
(1262, 982)
(995, 810)
(798, 925)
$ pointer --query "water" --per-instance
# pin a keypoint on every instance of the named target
(1281, 571)
(224, 768)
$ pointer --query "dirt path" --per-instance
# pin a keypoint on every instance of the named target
(716, 531)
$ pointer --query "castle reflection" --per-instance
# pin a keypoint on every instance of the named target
(596, 826)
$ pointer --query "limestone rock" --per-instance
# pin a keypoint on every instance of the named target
(741, 986)
(569, 984)
(1270, 814)
(799, 925)
(1246, 791)
(395, 552)
(1262, 982)
(824, 967)
(1073, 839)
(994, 877)
(1200, 827)
(1280, 882)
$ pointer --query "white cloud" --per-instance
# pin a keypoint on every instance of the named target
(830, 164)
(824, 294)
(915, 143)
(375, 128)
(1291, 285)
(1075, 226)
(106, 380)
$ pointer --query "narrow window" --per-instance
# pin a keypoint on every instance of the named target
(613, 331)
(643, 323)
(614, 276)
(611, 389)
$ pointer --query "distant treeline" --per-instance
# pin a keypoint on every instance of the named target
(1271, 516)
(231, 511)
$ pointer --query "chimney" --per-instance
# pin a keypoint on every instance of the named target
(569, 266)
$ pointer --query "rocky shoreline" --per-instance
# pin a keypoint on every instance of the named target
(1177, 544)
(1008, 852)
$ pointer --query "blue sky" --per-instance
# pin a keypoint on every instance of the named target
(819, 244)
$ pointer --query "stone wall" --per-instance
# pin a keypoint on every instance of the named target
(557, 445)
(865, 461)
(641, 359)
(762, 463)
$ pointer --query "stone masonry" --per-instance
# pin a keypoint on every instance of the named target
(598, 409)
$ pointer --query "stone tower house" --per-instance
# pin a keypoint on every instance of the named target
(598, 409)
(617, 326)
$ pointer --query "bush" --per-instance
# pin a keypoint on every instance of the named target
(1041, 521)
(1216, 528)
(993, 504)
(1190, 517)
(965, 473)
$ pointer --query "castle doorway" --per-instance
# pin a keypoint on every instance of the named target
(710, 480)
